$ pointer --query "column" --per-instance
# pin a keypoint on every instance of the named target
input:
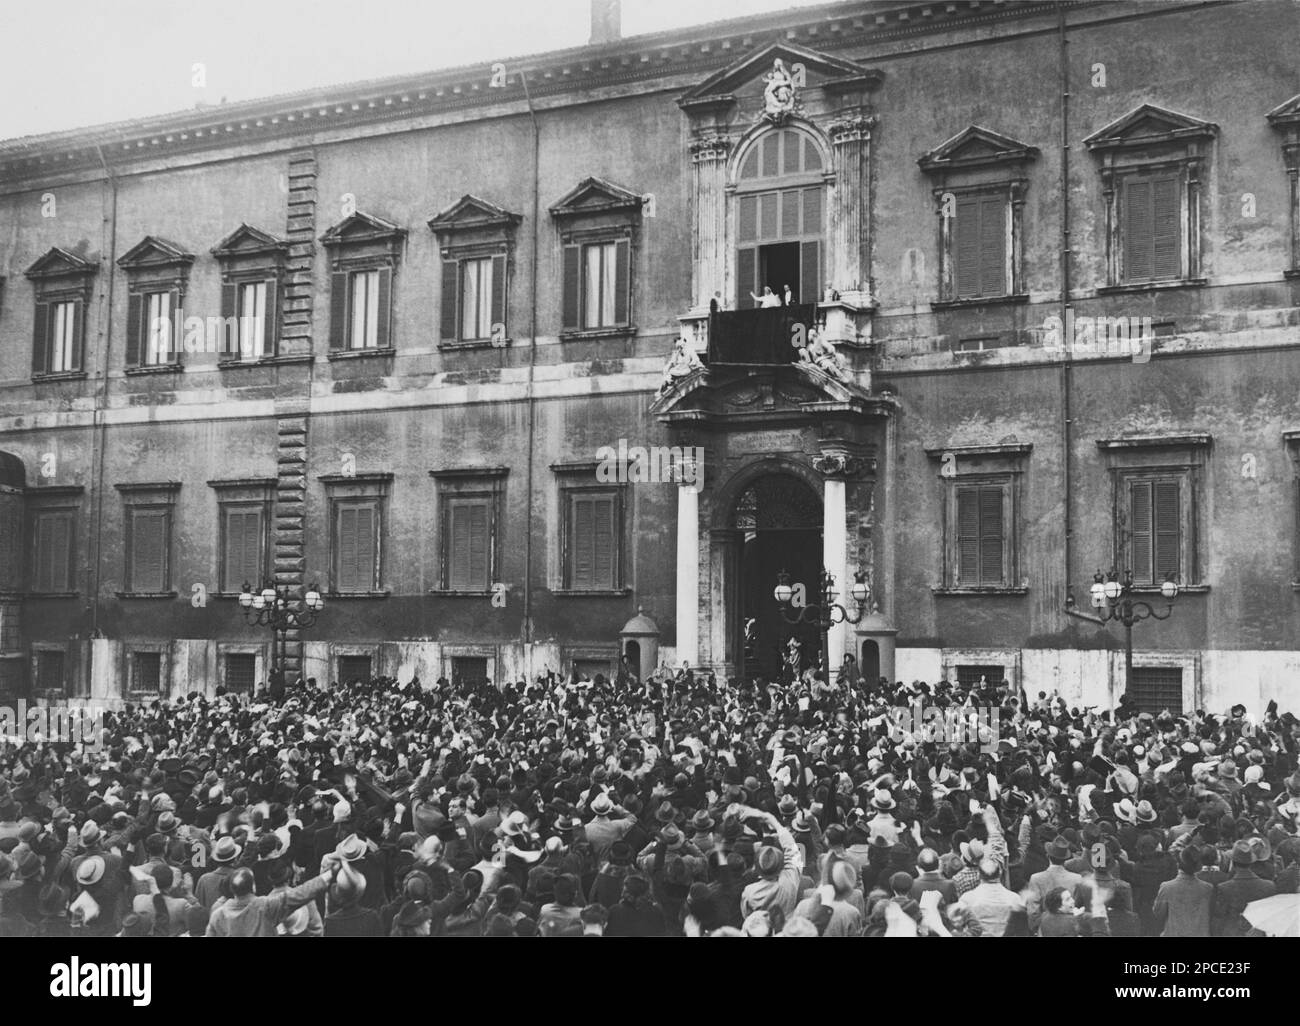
(709, 237)
(835, 546)
(848, 268)
(688, 569)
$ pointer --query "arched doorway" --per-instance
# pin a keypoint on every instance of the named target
(778, 520)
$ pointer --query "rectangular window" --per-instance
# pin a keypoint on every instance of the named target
(598, 285)
(1154, 535)
(980, 536)
(356, 546)
(1154, 689)
(50, 670)
(467, 540)
(252, 321)
(52, 555)
(364, 332)
(148, 541)
(468, 671)
(241, 671)
(476, 298)
(146, 671)
(980, 246)
(243, 546)
(1151, 227)
(970, 675)
(353, 668)
(593, 541)
(158, 329)
(63, 338)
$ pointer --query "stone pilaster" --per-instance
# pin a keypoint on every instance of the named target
(709, 231)
(849, 266)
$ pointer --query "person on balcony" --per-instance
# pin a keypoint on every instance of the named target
(768, 298)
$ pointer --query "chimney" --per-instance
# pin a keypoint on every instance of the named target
(605, 17)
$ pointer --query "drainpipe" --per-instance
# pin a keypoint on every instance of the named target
(532, 411)
(100, 424)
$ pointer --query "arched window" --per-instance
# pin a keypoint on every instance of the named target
(780, 218)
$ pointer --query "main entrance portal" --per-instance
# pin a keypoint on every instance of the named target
(779, 523)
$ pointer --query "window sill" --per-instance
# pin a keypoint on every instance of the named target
(162, 368)
(1152, 286)
(962, 304)
(360, 354)
(52, 594)
(453, 593)
(1291, 274)
(59, 376)
(979, 591)
(475, 343)
(357, 594)
(578, 335)
(266, 361)
(590, 592)
(146, 594)
(1183, 589)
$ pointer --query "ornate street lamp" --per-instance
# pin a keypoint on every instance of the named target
(826, 613)
(1113, 599)
(281, 610)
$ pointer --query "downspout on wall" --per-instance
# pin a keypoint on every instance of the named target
(529, 396)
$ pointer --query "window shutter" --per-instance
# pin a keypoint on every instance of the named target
(746, 275)
(966, 249)
(1166, 227)
(78, 333)
(809, 272)
(243, 548)
(474, 515)
(42, 576)
(450, 300)
(623, 281)
(457, 555)
(498, 295)
(1168, 530)
(231, 346)
(271, 330)
(366, 547)
(347, 555)
(356, 537)
(968, 527)
(134, 328)
(1138, 231)
(583, 543)
(790, 201)
(61, 553)
(176, 333)
(383, 329)
(604, 542)
(747, 218)
(1140, 530)
(991, 536)
(812, 211)
(993, 246)
(572, 285)
(41, 338)
(148, 551)
(768, 228)
(339, 310)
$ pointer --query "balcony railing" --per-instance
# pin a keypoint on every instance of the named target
(765, 336)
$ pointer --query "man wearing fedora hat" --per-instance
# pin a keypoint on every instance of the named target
(1233, 895)
(609, 823)
(214, 883)
(1055, 875)
(779, 871)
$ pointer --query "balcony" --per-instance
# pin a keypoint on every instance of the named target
(762, 337)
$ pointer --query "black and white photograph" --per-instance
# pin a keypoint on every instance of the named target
(658, 469)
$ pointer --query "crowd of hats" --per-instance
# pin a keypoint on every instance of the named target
(512, 777)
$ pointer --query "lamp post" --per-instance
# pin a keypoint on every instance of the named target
(279, 609)
(1113, 599)
(826, 613)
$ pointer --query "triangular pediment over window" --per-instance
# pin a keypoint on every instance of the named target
(248, 241)
(976, 147)
(59, 263)
(470, 213)
(596, 196)
(818, 69)
(154, 251)
(1149, 125)
(361, 227)
(1285, 113)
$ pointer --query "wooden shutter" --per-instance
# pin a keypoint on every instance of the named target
(812, 211)
(41, 338)
(1168, 530)
(991, 536)
(1139, 530)
(78, 333)
(356, 546)
(1138, 230)
(498, 295)
(746, 275)
(148, 551)
(581, 541)
(572, 286)
(966, 248)
(467, 537)
(243, 548)
(230, 347)
(768, 227)
(968, 531)
(993, 246)
(383, 330)
(790, 202)
(175, 332)
(448, 328)
(134, 328)
(53, 555)
(41, 577)
(339, 310)
(271, 329)
(1166, 217)
(809, 271)
(623, 281)
(747, 219)
(603, 550)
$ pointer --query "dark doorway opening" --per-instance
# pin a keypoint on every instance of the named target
(632, 653)
(779, 520)
(778, 266)
(870, 663)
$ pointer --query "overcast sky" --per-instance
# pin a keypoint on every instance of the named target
(85, 62)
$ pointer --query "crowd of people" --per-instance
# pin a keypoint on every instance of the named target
(681, 805)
